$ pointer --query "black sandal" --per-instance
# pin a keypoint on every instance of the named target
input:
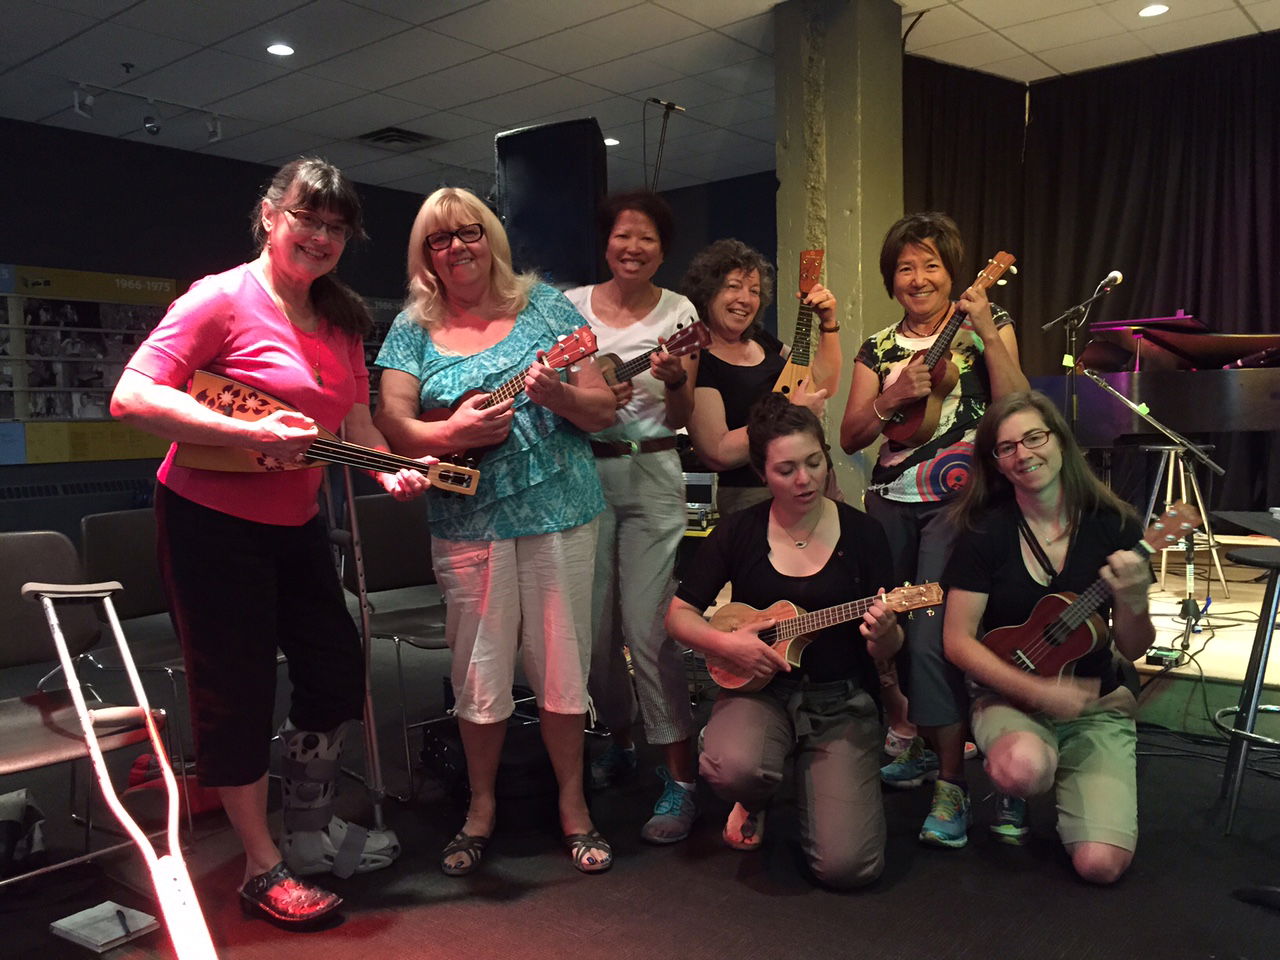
(468, 845)
(580, 843)
(282, 898)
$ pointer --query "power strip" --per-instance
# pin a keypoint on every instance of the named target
(1166, 657)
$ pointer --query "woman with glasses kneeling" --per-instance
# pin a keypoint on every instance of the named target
(516, 560)
(1034, 520)
(816, 553)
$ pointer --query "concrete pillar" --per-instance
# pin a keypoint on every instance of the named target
(839, 127)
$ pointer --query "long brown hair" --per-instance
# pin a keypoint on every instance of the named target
(316, 184)
(1082, 491)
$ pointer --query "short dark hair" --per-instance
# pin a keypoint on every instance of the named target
(706, 273)
(774, 416)
(933, 229)
(647, 202)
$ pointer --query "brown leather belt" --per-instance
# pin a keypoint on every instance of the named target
(624, 448)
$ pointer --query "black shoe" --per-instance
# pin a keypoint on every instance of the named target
(280, 896)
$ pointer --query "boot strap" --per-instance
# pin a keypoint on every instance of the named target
(347, 858)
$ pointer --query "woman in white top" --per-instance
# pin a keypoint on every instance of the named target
(644, 516)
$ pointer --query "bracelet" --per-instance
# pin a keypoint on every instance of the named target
(684, 378)
(881, 416)
(835, 328)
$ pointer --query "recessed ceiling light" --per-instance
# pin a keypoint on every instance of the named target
(1154, 10)
(280, 49)
(611, 142)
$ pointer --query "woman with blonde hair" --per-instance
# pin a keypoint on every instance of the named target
(514, 561)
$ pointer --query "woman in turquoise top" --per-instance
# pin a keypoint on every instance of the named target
(515, 561)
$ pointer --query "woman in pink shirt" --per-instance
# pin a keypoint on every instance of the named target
(244, 556)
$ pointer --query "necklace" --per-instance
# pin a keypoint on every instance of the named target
(802, 543)
(1049, 541)
(302, 331)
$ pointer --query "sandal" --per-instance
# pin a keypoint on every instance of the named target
(280, 897)
(750, 828)
(469, 846)
(580, 844)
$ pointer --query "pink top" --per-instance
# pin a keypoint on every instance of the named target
(228, 324)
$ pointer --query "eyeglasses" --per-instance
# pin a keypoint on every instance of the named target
(467, 233)
(307, 222)
(1031, 440)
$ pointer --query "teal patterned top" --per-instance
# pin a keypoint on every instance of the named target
(542, 478)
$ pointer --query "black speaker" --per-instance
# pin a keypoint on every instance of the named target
(551, 179)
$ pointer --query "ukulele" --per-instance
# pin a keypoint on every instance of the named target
(915, 422)
(1063, 627)
(567, 351)
(800, 359)
(240, 401)
(686, 340)
(790, 634)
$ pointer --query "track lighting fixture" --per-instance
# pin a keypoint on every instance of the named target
(82, 102)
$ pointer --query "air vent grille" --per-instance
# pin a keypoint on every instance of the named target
(398, 139)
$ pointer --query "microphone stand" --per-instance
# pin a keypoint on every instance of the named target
(1074, 318)
(667, 109)
(1191, 610)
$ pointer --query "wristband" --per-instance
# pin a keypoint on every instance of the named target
(684, 378)
(834, 328)
(879, 415)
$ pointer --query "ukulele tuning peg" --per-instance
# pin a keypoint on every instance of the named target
(1158, 525)
(1013, 270)
(1001, 282)
(930, 612)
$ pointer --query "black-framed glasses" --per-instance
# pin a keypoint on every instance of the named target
(1031, 440)
(308, 222)
(467, 233)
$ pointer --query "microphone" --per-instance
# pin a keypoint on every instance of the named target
(1269, 357)
(1114, 279)
(667, 104)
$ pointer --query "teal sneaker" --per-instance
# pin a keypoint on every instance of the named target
(612, 766)
(948, 822)
(673, 814)
(912, 767)
(1011, 820)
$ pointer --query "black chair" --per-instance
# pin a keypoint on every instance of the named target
(1240, 734)
(42, 729)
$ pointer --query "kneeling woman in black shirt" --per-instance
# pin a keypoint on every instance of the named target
(816, 553)
(1034, 520)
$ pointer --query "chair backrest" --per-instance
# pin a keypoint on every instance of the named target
(395, 541)
(121, 545)
(45, 556)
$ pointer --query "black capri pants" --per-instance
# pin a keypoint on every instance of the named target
(237, 591)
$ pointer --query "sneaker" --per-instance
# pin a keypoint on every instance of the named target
(911, 768)
(895, 744)
(948, 822)
(1011, 820)
(613, 766)
(673, 814)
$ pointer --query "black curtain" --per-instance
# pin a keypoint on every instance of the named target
(1166, 169)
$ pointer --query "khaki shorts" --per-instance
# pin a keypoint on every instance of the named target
(1096, 781)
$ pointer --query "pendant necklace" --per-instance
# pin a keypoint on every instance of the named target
(801, 544)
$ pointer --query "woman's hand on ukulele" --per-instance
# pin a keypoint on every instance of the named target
(474, 425)
(543, 384)
(912, 383)
(285, 434)
(805, 396)
(878, 622)
(751, 655)
(406, 484)
(621, 393)
(1066, 697)
(823, 301)
(665, 367)
(974, 302)
(1129, 577)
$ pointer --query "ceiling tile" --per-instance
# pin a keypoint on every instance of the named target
(1096, 53)
(973, 51)
(424, 183)
(569, 50)
(393, 168)
(750, 76)
(345, 153)
(465, 152)
(705, 51)
(641, 27)
(716, 13)
(101, 9)
(30, 95)
(940, 25)
(611, 114)
(30, 28)
(353, 118)
(625, 175)
(569, 13)
(1211, 28)
(1062, 30)
(447, 126)
(317, 31)
(518, 106)
(396, 59)
(731, 112)
(470, 81)
(96, 55)
(688, 92)
(1125, 12)
(496, 25)
(754, 32)
(1004, 13)
(1265, 14)
(292, 95)
(1023, 69)
(762, 128)
(628, 73)
(417, 11)
(200, 23)
(204, 77)
(266, 143)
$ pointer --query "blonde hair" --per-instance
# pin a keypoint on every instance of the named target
(428, 299)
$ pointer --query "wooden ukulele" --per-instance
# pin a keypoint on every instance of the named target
(568, 350)
(800, 359)
(1064, 627)
(686, 340)
(243, 402)
(791, 632)
(915, 422)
